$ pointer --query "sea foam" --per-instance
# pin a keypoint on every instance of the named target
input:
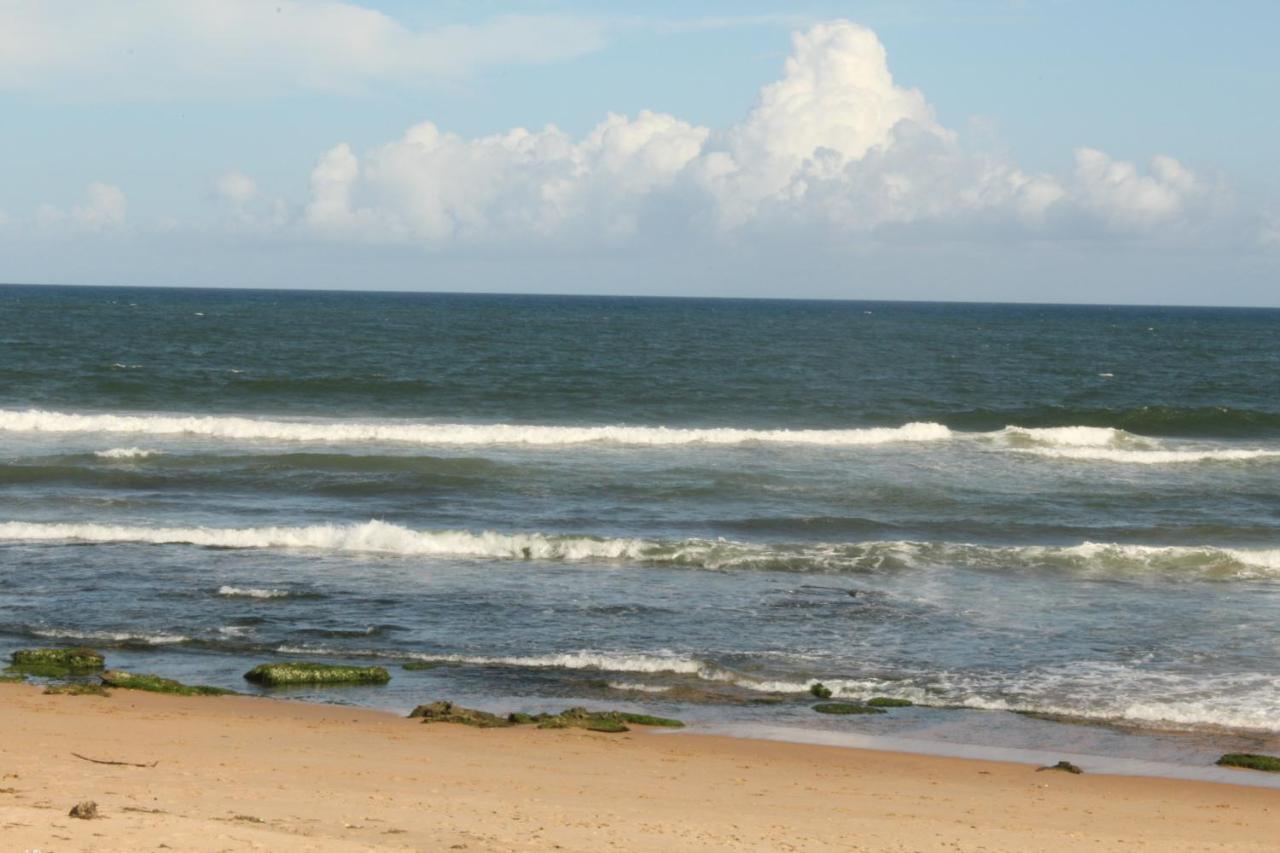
(127, 453)
(342, 432)
(378, 537)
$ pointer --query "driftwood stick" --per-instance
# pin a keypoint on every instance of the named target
(120, 763)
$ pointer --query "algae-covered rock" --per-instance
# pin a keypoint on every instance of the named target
(571, 718)
(820, 690)
(447, 712)
(76, 688)
(292, 672)
(56, 663)
(156, 684)
(845, 708)
(649, 720)
(888, 702)
(606, 721)
(1064, 766)
(603, 721)
(1250, 761)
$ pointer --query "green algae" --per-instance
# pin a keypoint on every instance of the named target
(820, 690)
(76, 688)
(447, 712)
(571, 718)
(845, 708)
(292, 672)
(56, 663)
(1250, 761)
(156, 684)
(888, 702)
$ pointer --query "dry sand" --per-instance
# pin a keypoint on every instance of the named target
(234, 773)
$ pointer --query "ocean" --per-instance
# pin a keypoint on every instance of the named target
(1049, 527)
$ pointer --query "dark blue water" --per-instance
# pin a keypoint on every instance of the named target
(683, 504)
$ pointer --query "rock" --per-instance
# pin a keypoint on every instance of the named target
(156, 684)
(88, 810)
(56, 663)
(1250, 761)
(1064, 766)
(447, 712)
(275, 674)
(820, 690)
(889, 702)
(570, 718)
(845, 708)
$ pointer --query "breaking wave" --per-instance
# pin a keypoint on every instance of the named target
(342, 432)
(127, 453)
(1108, 444)
(123, 638)
(378, 537)
(250, 592)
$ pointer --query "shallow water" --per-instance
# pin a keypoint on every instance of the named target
(685, 505)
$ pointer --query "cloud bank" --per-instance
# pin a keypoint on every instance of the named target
(834, 147)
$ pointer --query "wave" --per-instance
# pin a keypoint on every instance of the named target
(343, 432)
(1108, 444)
(378, 537)
(251, 592)
(1101, 691)
(122, 638)
(1172, 421)
(127, 453)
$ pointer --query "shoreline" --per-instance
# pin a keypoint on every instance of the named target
(239, 772)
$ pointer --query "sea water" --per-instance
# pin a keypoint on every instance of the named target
(694, 507)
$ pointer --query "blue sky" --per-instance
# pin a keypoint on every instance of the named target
(1037, 151)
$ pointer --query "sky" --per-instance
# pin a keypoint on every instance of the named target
(1050, 151)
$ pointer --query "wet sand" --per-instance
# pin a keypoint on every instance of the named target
(232, 773)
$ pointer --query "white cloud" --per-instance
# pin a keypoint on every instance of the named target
(190, 48)
(517, 185)
(235, 187)
(835, 147)
(1117, 193)
(103, 207)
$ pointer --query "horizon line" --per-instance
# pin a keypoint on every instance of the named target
(551, 294)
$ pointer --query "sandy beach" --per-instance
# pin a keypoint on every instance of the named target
(232, 773)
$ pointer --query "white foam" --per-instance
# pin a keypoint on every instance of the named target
(1153, 457)
(638, 687)
(127, 453)
(240, 428)
(250, 592)
(378, 537)
(655, 662)
(659, 661)
(110, 636)
(1071, 436)
(1105, 444)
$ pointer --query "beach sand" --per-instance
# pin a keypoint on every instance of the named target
(234, 773)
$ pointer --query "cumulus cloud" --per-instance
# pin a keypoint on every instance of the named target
(835, 144)
(521, 184)
(215, 48)
(103, 207)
